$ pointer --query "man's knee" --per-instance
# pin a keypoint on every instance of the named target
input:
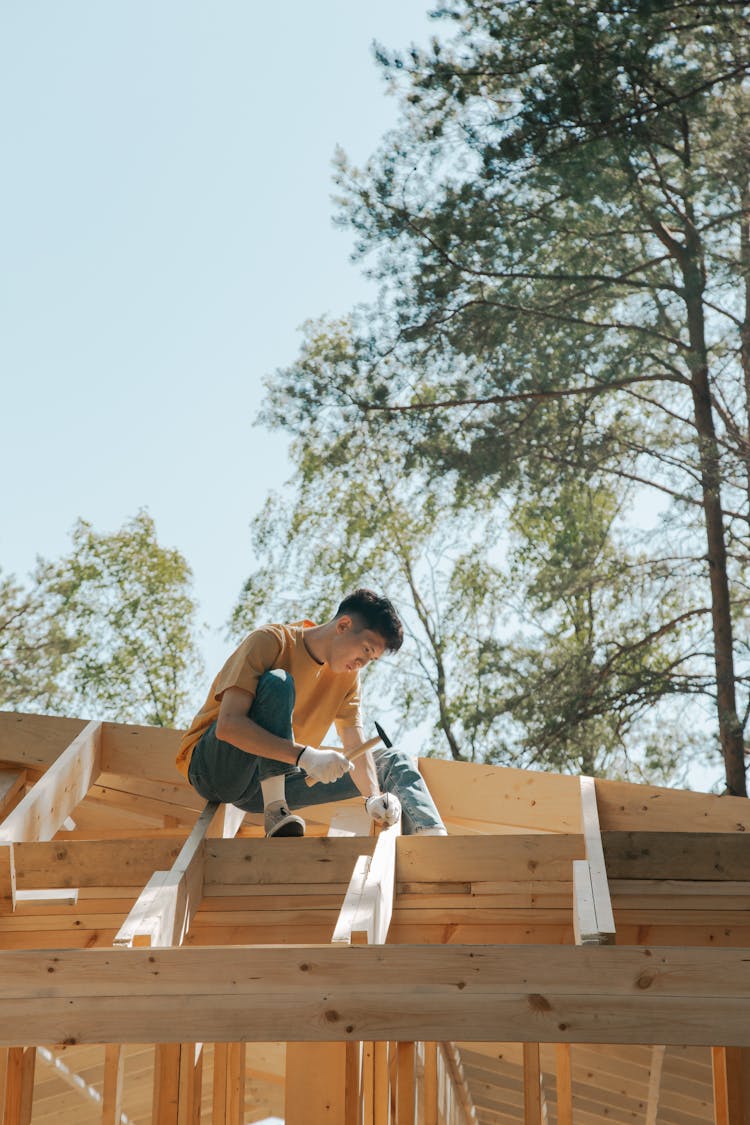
(276, 688)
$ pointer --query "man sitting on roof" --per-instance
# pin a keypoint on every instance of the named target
(257, 737)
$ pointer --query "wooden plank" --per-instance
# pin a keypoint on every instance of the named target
(406, 1087)
(92, 863)
(532, 1097)
(322, 860)
(731, 1083)
(585, 925)
(19, 1086)
(164, 910)
(381, 1085)
(315, 1084)
(564, 1084)
(35, 740)
(480, 859)
(717, 857)
(368, 905)
(8, 882)
(166, 1083)
(482, 993)
(114, 1063)
(524, 798)
(654, 1084)
(595, 855)
(626, 807)
(430, 1084)
(350, 908)
(53, 798)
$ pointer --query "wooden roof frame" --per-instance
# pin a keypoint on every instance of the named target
(606, 841)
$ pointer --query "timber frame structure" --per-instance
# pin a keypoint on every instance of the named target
(575, 951)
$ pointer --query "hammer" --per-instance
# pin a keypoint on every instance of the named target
(357, 751)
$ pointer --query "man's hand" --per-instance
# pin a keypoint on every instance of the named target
(385, 808)
(324, 765)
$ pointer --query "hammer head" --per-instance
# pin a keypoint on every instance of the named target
(383, 736)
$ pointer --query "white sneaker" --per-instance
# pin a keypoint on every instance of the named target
(437, 830)
(279, 821)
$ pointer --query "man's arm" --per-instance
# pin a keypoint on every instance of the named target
(363, 774)
(233, 725)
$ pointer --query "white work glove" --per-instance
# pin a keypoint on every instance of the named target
(385, 808)
(324, 765)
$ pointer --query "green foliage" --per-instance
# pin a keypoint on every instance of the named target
(105, 632)
(561, 231)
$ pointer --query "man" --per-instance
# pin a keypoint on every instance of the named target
(257, 737)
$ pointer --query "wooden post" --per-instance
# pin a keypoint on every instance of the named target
(112, 1089)
(731, 1072)
(654, 1084)
(532, 1093)
(406, 1084)
(19, 1086)
(564, 1084)
(381, 1085)
(166, 1084)
(430, 1084)
(315, 1091)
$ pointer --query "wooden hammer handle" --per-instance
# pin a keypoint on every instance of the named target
(352, 755)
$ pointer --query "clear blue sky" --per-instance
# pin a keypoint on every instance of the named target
(166, 228)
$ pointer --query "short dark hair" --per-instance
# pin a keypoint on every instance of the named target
(376, 613)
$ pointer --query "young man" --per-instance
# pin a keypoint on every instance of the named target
(258, 735)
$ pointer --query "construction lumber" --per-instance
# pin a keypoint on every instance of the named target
(168, 903)
(693, 856)
(406, 1084)
(485, 859)
(35, 741)
(654, 1084)
(19, 1085)
(532, 1090)
(114, 1063)
(527, 799)
(650, 808)
(481, 993)
(564, 1084)
(92, 863)
(602, 904)
(368, 904)
(315, 1084)
(585, 924)
(731, 1081)
(52, 799)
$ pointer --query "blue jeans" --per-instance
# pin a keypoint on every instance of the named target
(222, 772)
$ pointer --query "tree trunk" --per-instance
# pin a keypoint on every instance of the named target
(730, 728)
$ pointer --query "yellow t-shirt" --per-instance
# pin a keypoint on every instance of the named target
(322, 697)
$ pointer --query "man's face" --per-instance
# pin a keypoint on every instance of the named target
(353, 647)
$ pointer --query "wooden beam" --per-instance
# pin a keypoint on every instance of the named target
(654, 1084)
(711, 856)
(168, 903)
(585, 925)
(564, 1084)
(406, 1085)
(19, 1086)
(525, 798)
(605, 922)
(532, 1091)
(627, 807)
(53, 798)
(315, 1084)
(166, 1083)
(584, 994)
(368, 905)
(8, 882)
(114, 1064)
(731, 1081)
(430, 1083)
